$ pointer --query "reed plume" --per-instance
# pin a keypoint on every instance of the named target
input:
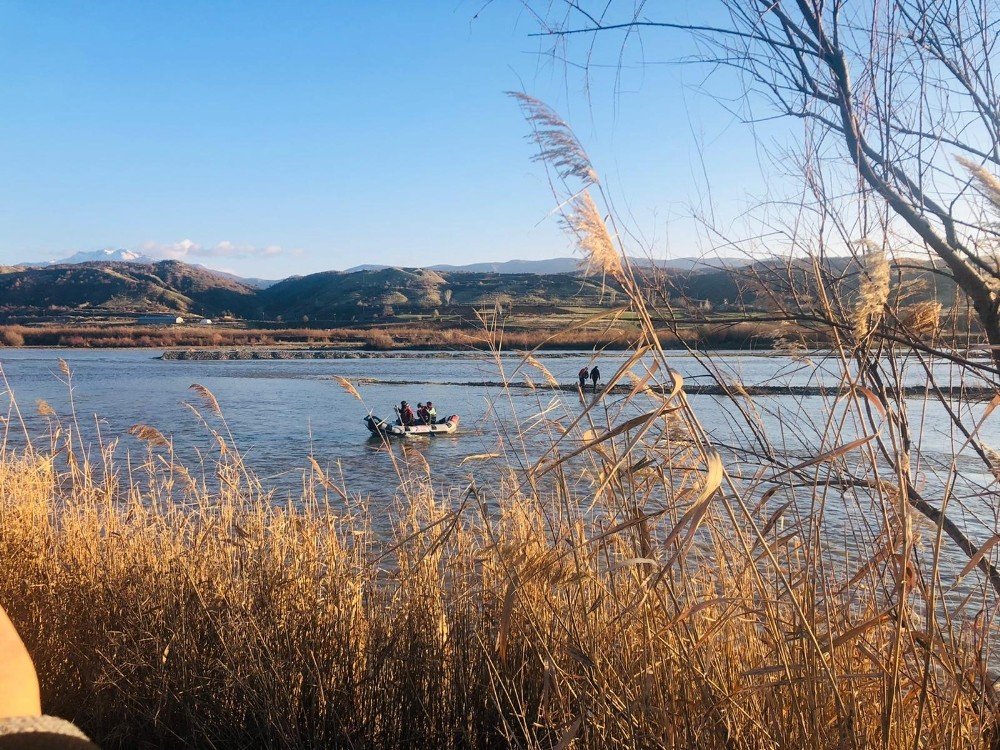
(873, 293)
(923, 318)
(986, 182)
(348, 387)
(207, 397)
(558, 146)
(148, 434)
(584, 221)
(543, 370)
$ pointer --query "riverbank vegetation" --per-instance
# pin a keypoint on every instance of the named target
(572, 333)
(615, 331)
(635, 594)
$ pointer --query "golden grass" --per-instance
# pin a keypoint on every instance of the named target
(873, 293)
(585, 223)
(174, 606)
(559, 331)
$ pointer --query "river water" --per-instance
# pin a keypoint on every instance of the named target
(283, 411)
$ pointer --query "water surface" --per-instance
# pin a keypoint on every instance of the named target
(283, 411)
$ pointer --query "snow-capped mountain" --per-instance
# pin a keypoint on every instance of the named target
(107, 254)
(94, 256)
(111, 255)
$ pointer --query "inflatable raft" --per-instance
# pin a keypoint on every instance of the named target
(395, 429)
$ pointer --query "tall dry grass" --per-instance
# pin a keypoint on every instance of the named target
(174, 606)
(567, 331)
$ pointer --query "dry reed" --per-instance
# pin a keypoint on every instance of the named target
(172, 611)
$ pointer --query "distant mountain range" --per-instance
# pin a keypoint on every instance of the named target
(98, 256)
(572, 265)
(111, 255)
(132, 288)
(546, 266)
(569, 265)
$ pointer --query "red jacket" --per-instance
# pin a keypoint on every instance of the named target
(406, 415)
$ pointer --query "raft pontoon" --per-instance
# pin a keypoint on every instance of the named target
(395, 429)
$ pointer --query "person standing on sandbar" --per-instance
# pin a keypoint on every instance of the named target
(595, 375)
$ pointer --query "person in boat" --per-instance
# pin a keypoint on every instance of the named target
(583, 375)
(595, 375)
(432, 414)
(422, 417)
(406, 417)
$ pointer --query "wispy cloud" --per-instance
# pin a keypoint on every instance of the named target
(188, 250)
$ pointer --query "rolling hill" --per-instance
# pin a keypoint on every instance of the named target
(173, 286)
(166, 286)
(367, 294)
(122, 289)
(571, 264)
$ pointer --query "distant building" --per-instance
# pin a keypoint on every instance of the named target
(159, 319)
(205, 322)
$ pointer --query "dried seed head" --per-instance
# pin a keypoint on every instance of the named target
(207, 397)
(347, 386)
(549, 377)
(923, 318)
(557, 144)
(594, 241)
(148, 434)
(873, 293)
(986, 182)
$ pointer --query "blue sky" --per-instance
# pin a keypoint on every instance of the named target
(276, 138)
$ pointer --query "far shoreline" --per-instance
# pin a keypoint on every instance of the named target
(273, 353)
(278, 353)
(552, 335)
